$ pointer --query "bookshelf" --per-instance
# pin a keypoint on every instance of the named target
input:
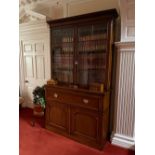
(79, 54)
(81, 62)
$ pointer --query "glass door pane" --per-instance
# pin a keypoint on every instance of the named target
(92, 51)
(62, 55)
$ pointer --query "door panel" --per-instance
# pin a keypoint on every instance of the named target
(28, 47)
(84, 124)
(40, 70)
(29, 69)
(57, 116)
(39, 47)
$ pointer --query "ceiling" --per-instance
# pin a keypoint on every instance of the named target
(39, 6)
(32, 3)
(49, 7)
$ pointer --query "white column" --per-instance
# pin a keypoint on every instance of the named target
(124, 104)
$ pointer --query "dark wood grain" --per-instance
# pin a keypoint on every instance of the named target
(80, 115)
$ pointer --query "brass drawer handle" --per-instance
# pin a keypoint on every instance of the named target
(85, 101)
(55, 95)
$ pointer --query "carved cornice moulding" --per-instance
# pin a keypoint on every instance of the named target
(29, 16)
(25, 2)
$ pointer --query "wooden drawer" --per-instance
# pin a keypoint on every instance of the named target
(83, 100)
(90, 102)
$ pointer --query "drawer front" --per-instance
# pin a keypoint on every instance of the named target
(83, 100)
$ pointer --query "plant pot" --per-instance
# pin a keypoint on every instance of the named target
(38, 110)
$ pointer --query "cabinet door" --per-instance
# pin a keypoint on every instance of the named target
(62, 54)
(92, 53)
(84, 125)
(57, 116)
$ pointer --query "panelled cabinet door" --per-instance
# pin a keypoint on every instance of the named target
(57, 116)
(84, 125)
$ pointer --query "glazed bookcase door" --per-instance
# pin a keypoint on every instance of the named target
(92, 52)
(63, 54)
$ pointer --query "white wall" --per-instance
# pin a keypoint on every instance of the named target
(127, 11)
(86, 6)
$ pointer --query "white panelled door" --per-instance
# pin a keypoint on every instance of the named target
(34, 67)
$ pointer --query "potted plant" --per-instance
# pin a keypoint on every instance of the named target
(39, 99)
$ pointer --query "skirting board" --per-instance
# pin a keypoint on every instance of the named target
(123, 141)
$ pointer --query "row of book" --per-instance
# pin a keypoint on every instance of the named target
(64, 76)
(67, 48)
(70, 39)
(67, 39)
(86, 61)
(64, 61)
(93, 61)
(93, 37)
(84, 78)
(62, 51)
(92, 46)
(63, 58)
(59, 66)
(63, 37)
(91, 77)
